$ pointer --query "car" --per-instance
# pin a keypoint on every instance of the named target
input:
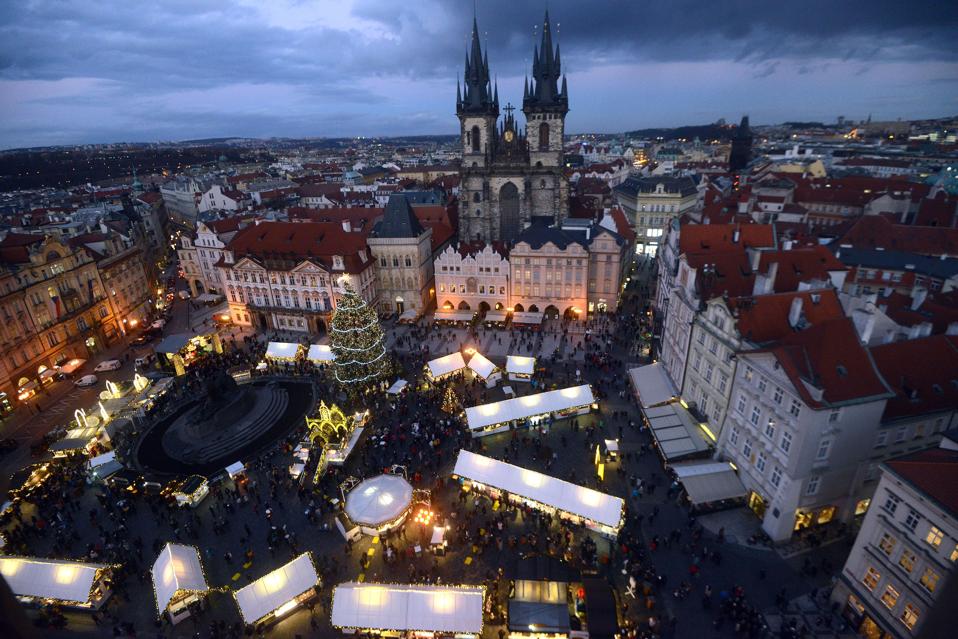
(86, 380)
(141, 340)
(144, 361)
(108, 365)
(184, 295)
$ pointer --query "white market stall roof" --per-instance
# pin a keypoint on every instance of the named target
(652, 384)
(72, 366)
(105, 458)
(446, 364)
(675, 431)
(527, 317)
(495, 316)
(75, 438)
(584, 502)
(481, 366)
(177, 568)
(282, 350)
(378, 500)
(320, 353)
(519, 365)
(454, 316)
(274, 589)
(528, 406)
(709, 481)
(408, 315)
(397, 387)
(412, 607)
(235, 469)
(49, 579)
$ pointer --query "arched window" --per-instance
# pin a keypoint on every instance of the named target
(543, 137)
(475, 139)
(475, 197)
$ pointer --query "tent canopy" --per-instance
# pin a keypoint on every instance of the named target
(320, 353)
(49, 578)
(675, 431)
(446, 364)
(481, 366)
(173, 343)
(397, 387)
(709, 481)
(495, 316)
(105, 458)
(562, 495)
(408, 607)
(528, 318)
(519, 365)
(454, 316)
(177, 568)
(282, 350)
(529, 406)
(274, 589)
(235, 468)
(652, 384)
(378, 500)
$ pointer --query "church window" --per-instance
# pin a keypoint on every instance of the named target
(475, 139)
(478, 212)
(475, 197)
(542, 184)
(408, 261)
(543, 137)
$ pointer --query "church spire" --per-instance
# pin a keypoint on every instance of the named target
(546, 71)
(477, 88)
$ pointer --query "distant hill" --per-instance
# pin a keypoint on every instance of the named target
(700, 131)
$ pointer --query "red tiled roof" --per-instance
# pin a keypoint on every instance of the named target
(14, 249)
(622, 225)
(934, 472)
(764, 318)
(829, 356)
(800, 265)
(875, 231)
(922, 372)
(728, 273)
(937, 211)
(150, 197)
(472, 248)
(708, 238)
(319, 190)
(291, 241)
(939, 309)
(245, 177)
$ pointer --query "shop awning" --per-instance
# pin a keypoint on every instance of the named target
(528, 318)
(177, 568)
(557, 493)
(75, 438)
(408, 315)
(401, 607)
(282, 350)
(709, 481)
(277, 588)
(519, 365)
(676, 432)
(495, 316)
(652, 385)
(454, 316)
(320, 353)
(71, 366)
(68, 581)
(173, 343)
(481, 366)
(520, 408)
(397, 387)
(50, 372)
(446, 364)
(209, 297)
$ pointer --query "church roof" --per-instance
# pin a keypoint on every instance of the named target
(399, 220)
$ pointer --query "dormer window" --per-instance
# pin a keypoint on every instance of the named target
(338, 262)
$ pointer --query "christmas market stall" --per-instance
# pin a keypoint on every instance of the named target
(66, 583)
(452, 316)
(527, 319)
(419, 609)
(398, 387)
(710, 485)
(190, 491)
(495, 318)
(320, 354)
(285, 352)
(485, 370)
(676, 432)
(519, 368)
(597, 511)
(182, 349)
(444, 366)
(651, 385)
(496, 417)
(178, 581)
(274, 595)
(378, 504)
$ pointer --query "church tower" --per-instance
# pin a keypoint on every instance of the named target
(544, 104)
(741, 153)
(477, 105)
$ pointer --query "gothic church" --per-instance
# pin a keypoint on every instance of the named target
(509, 175)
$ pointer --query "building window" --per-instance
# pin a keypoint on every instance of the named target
(723, 382)
(911, 521)
(786, 443)
(833, 416)
(934, 536)
(777, 395)
(930, 579)
(891, 503)
(795, 408)
(907, 560)
(747, 448)
(900, 434)
(760, 464)
(812, 487)
(887, 543)
(909, 616)
(776, 476)
(733, 439)
(740, 405)
(882, 439)
(770, 429)
(954, 554)
(749, 373)
(890, 597)
(871, 578)
(762, 384)
(824, 447)
(756, 415)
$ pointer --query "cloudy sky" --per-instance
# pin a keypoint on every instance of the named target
(80, 71)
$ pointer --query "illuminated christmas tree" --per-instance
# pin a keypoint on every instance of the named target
(357, 341)
(450, 402)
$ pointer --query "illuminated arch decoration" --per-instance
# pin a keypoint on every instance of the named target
(329, 426)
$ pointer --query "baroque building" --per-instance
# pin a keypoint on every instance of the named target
(508, 176)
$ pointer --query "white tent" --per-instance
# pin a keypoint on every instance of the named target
(481, 366)
(519, 367)
(235, 469)
(320, 353)
(404, 607)
(177, 568)
(652, 385)
(378, 500)
(520, 408)
(590, 504)
(276, 591)
(68, 581)
(676, 432)
(282, 350)
(397, 387)
(709, 481)
(446, 365)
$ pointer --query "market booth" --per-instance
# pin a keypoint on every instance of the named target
(379, 503)
(320, 354)
(427, 611)
(651, 385)
(182, 349)
(519, 368)
(485, 370)
(677, 434)
(496, 417)
(445, 366)
(528, 318)
(597, 511)
(285, 352)
(398, 387)
(710, 484)
(270, 597)
(66, 583)
(178, 581)
(452, 316)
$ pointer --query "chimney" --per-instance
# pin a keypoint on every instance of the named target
(735, 236)
(770, 278)
(925, 329)
(795, 312)
(864, 324)
(914, 332)
(918, 295)
(347, 226)
(952, 329)
(754, 257)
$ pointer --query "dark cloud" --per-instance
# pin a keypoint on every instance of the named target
(325, 66)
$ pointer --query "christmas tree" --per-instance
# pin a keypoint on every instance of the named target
(450, 402)
(357, 341)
